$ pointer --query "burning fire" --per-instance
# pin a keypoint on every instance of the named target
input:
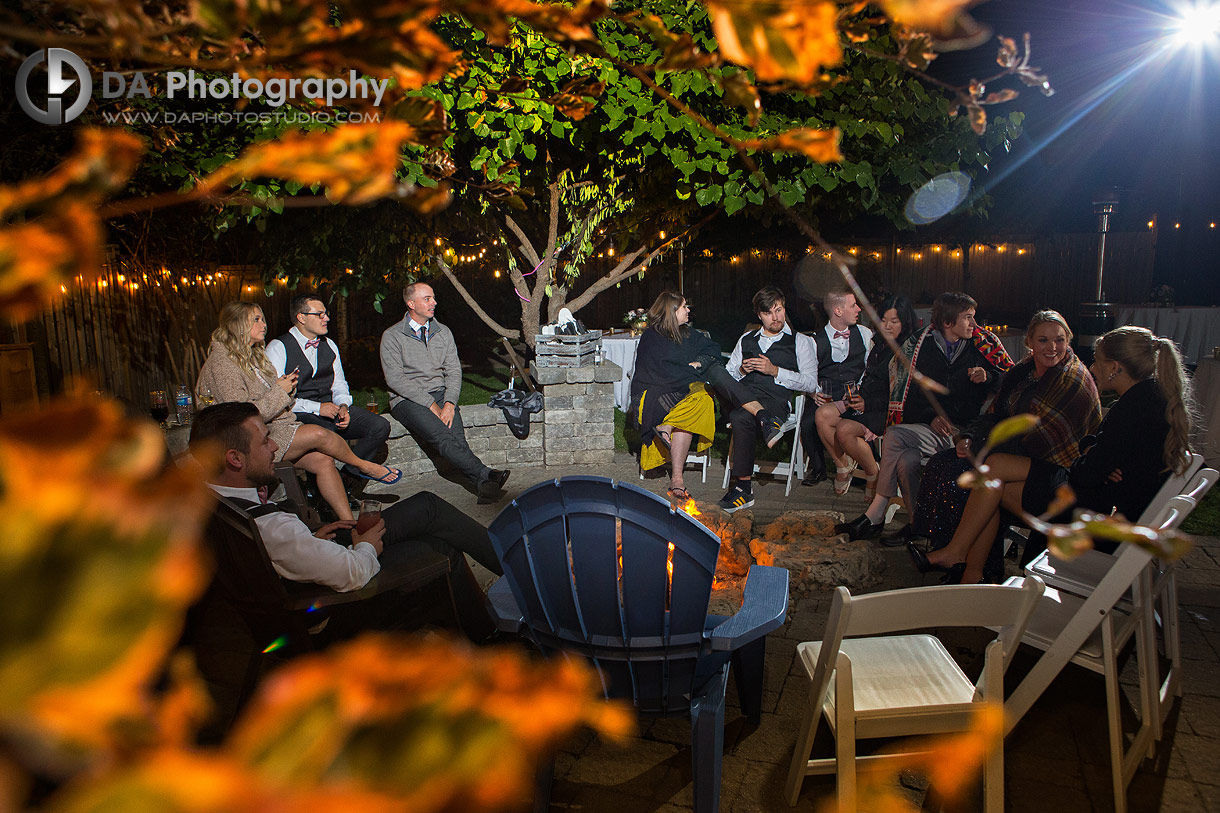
(690, 507)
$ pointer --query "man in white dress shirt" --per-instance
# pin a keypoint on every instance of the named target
(323, 397)
(767, 366)
(314, 556)
(843, 346)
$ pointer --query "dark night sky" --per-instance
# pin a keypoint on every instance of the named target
(1128, 112)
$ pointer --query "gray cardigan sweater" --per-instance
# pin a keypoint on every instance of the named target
(414, 370)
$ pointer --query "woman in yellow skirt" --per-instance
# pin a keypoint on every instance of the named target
(669, 400)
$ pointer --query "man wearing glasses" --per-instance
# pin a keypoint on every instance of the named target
(323, 397)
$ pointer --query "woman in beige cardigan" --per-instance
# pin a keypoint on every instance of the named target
(237, 369)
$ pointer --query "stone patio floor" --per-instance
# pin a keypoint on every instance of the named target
(1057, 758)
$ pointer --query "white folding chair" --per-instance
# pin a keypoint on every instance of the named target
(1091, 631)
(794, 469)
(903, 685)
(1081, 576)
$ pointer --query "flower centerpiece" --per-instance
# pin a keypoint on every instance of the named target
(636, 319)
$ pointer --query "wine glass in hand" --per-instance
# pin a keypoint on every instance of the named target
(370, 515)
(158, 407)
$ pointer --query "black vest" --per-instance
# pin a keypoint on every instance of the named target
(833, 375)
(312, 385)
(782, 353)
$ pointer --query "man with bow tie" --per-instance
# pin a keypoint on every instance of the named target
(420, 362)
(322, 396)
(843, 346)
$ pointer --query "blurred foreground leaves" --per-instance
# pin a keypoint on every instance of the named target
(100, 561)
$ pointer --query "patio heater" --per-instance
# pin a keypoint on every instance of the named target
(1095, 315)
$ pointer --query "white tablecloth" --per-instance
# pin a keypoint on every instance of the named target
(620, 348)
(1196, 330)
(1207, 396)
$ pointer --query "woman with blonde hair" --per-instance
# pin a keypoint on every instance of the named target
(237, 369)
(669, 399)
(1052, 384)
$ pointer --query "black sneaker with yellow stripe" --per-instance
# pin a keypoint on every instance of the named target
(772, 427)
(740, 496)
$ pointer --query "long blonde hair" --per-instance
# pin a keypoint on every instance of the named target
(1143, 354)
(236, 319)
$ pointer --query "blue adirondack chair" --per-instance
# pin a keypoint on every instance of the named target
(587, 570)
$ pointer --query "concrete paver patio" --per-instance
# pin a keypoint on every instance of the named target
(1057, 758)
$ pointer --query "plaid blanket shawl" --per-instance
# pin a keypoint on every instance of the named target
(1065, 401)
(988, 345)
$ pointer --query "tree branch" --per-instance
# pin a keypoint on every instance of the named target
(465, 294)
(527, 247)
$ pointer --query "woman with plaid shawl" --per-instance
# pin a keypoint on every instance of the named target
(1052, 384)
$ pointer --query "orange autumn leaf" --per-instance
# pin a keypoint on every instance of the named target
(355, 162)
(92, 516)
(821, 146)
(788, 41)
(49, 228)
(449, 726)
(929, 15)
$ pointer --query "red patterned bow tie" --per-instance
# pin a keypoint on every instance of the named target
(842, 334)
(312, 343)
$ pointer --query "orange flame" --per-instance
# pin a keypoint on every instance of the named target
(690, 507)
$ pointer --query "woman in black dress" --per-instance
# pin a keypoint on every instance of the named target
(865, 419)
(669, 400)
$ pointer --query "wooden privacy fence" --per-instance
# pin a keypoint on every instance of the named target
(136, 329)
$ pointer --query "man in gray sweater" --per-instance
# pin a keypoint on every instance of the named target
(422, 371)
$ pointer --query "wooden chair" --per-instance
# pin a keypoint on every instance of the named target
(1080, 577)
(794, 469)
(1091, 631)
(281, 614)
(903, 685)
(611, 572)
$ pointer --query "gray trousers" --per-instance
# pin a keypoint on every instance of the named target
(903, 452)
(449, 441)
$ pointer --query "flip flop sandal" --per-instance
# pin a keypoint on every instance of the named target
(390, 477)
(678, 494)
(841, 487)
(870, 487)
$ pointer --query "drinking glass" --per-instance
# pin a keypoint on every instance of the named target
(370, 515)
(158, 407)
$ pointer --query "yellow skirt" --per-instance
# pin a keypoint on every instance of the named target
(695, 414)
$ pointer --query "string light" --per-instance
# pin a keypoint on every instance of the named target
(936, 249)
(1177, 225)
(1151, 223)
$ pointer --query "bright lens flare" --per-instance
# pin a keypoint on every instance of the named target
(1197, 25)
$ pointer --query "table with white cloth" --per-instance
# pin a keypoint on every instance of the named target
(620, 348)
(1207, 398)
(1196, 330)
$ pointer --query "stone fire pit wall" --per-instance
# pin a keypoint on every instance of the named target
(575, 426)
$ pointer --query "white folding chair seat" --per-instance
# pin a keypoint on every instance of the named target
(794, 469)
(904, 685)
(1091, 631)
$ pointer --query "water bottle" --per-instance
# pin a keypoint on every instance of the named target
(183, 399)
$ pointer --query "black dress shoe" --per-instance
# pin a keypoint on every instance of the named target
(920, 560)
(492, 488)
(954, 576)
(860, 528)
(814, 476)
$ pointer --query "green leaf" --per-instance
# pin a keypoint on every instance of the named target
(1012, 427)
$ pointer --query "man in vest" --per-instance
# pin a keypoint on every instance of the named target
(236, 430)
(843, 345)
(420, 362)
(767, 367)
(323, 397)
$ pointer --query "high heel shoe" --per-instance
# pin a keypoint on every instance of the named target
(920, 560)
(954, 576)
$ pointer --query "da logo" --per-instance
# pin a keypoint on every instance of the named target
(66, 72)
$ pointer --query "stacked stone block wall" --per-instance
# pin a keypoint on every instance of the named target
(576, 425)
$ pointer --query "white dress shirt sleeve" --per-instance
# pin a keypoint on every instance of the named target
(867, 335)
(805, 378)
(277, 354)
(299, 556)
(340, 393)
(734, 364)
